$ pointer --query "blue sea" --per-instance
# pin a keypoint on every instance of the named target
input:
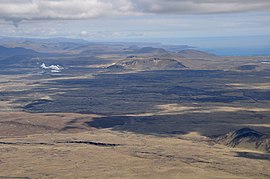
(224, 46)
(229, 46)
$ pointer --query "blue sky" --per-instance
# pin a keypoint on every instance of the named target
(138, 20)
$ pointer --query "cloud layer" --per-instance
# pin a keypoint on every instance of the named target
(17, 10)
(200, 6)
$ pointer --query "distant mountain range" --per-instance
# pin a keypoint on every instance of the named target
(49, 40)
(149, 50)
(52, 45)
(195, 54)
(8, 52)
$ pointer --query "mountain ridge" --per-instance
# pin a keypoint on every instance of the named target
(246, 138)
(146, 63)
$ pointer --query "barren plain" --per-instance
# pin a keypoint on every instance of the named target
(88, 120)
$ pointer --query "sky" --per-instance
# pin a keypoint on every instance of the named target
(137, 20)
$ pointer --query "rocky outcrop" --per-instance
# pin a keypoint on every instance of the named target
(246, 138)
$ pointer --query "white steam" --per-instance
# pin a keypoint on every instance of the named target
(52, 68)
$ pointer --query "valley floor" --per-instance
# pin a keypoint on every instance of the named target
(53, 155)
(89, 122)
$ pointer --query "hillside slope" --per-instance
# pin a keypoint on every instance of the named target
(246, 138)
(8, 52)
(147, 63)
(195, 54)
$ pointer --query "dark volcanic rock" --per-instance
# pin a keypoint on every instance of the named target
(247, 67)
(91, 143)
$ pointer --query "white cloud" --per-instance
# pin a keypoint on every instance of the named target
(83, 9)
(15, 11)
(84, 33)
(200, 6)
